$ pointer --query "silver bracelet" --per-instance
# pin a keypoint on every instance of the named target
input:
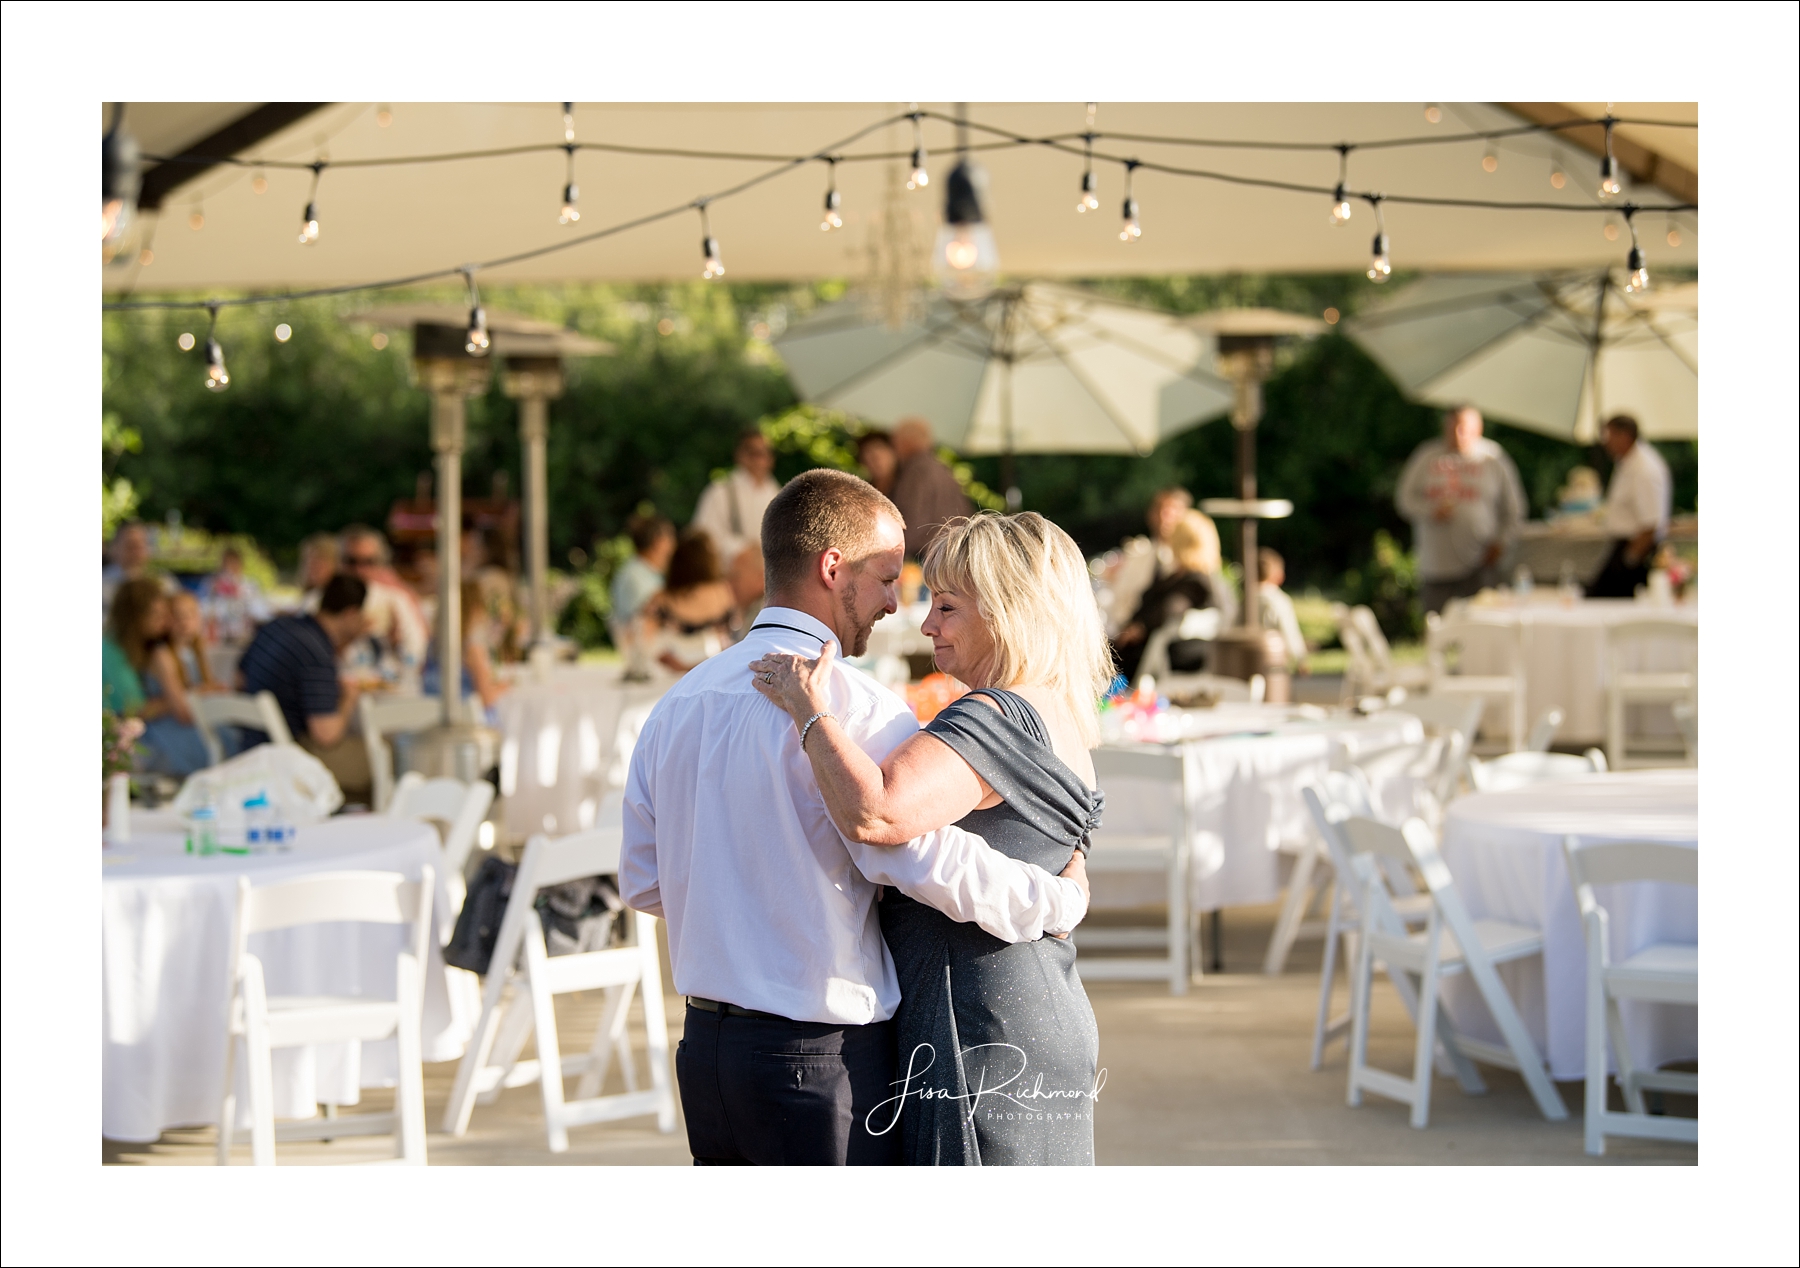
(809, 726)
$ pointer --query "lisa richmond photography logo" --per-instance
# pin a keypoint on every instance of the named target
(1000, 1089)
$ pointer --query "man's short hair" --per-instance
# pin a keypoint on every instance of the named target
(646, 530)
(1174, 491)
(814, 512)
(1625, 423)
(342, 593)
(362, 532)
(1268, 561)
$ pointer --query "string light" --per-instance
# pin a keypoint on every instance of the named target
(1490, 160)
(259, 183)
(1130, 231)
(1340, 203)
(568, 123)
(1090, 188)
(1610, 231)
(1674, 236)
(1609, 166)
(831, 220)
(309, 219)
(1634, 259)
(1380, 268)
(709, 247)
(197, 219)
(217, 380)
(118, 180)
(1558, 178)
(283, 333)
(965, 257)
(475, 341)
(185, 341)
(384, 115)
(571, 210)
(920, 178)
(1433, 114)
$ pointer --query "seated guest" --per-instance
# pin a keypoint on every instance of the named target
(236, 600)
(875, 451)
(1194, 554)
(130, 560)
(318, 564)
(140, 628)
(1277, 609)
(691, 619)
(1141, 560)
(478, 677)
(641, 577)
(296, 659)
(392, 611)
(187, 637)
(121, 690)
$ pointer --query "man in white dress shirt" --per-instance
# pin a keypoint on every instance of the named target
(773, 932)
(731, 510)
(1637, 509)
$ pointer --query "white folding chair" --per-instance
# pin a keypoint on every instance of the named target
(460, 808)
(1461, 634)
(1384, 675)
(1450, 722)
(1465, 946)
(381, 718)
(1165, 852)
(262, 1022)
(1220, 688)
(1195, 623)
(1626, 686)
(519, 1003)
(1543, 731)
(1520, 770)
(258, 712)
(1664, 973)
(1336, 798)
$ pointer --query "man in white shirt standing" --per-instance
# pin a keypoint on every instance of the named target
(1637, 509)
(1463, 496)
(773, 934)
(731, 510)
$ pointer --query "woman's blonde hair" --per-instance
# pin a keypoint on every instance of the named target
(1195, 543)
(1030, 586)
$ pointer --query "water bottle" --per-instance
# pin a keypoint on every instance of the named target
(1522, 581)
(203, 831)
(257, 823)
(279, 832)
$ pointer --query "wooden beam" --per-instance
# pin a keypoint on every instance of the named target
(204, 155)
(1645, 166)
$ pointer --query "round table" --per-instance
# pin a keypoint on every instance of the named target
(1564, 653)
(560, 744)
(165, 937)
(1249, 763)
(1505, 850)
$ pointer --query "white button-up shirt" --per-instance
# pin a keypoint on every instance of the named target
(769, 906)
(731, 512)
(1637, 496)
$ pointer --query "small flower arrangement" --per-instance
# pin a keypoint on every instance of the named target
(119, 738)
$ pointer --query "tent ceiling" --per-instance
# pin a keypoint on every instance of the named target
(390, 222)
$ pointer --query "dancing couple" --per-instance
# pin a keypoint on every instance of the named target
(870, 922)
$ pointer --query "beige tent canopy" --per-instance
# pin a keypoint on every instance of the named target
(395, 221)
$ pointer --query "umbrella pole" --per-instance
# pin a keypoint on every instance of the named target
(448, 413)
(1008, 478)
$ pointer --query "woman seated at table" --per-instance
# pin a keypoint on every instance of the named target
(139, 625)
(1195, 545)
(691, 619)
(187, 639)
(478, 676)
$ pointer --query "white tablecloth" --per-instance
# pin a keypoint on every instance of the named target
(165, 937)
(1246, 801)
(1505, 850)
(559, 738)
(1565, 661)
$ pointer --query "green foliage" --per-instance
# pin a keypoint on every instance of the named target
(1389, 584)
(583, 617)
(118, 500)
(806, 436)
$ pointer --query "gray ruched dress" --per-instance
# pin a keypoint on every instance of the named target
(997, 1043)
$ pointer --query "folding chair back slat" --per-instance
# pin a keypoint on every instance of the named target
(259, 712)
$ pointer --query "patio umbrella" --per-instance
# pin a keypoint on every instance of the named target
(1556, 353)
(1034, 368)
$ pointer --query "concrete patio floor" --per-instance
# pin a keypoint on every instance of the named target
(1218, 1076)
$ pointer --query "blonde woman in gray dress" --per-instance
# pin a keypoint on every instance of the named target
(998, 1049)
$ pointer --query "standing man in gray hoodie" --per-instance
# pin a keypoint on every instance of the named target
(1463, 496)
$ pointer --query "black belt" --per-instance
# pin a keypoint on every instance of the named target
(731, 1010)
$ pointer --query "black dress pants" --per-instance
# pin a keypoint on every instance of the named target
(1618, 579)
(762, 1091)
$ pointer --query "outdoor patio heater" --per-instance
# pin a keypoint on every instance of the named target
(1246, 355)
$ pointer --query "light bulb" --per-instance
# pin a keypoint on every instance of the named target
(384, 115)
(1380, 269)
(217, 380)
(197, 220)
(477, 341)
(832, 220)
(1130, 231)
(1640, 275)
(309, 225)
(1089, 200)
(1433, 114)
(570, 212)
(283, 333)
(1610, 231)
(259, 184)
(920, 178)
(1557, 177)
(185, 341)
(715, 267)
(1609, 178)
(1340, 207)
(1490, 162)
(1674, 237)
(568, 121)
